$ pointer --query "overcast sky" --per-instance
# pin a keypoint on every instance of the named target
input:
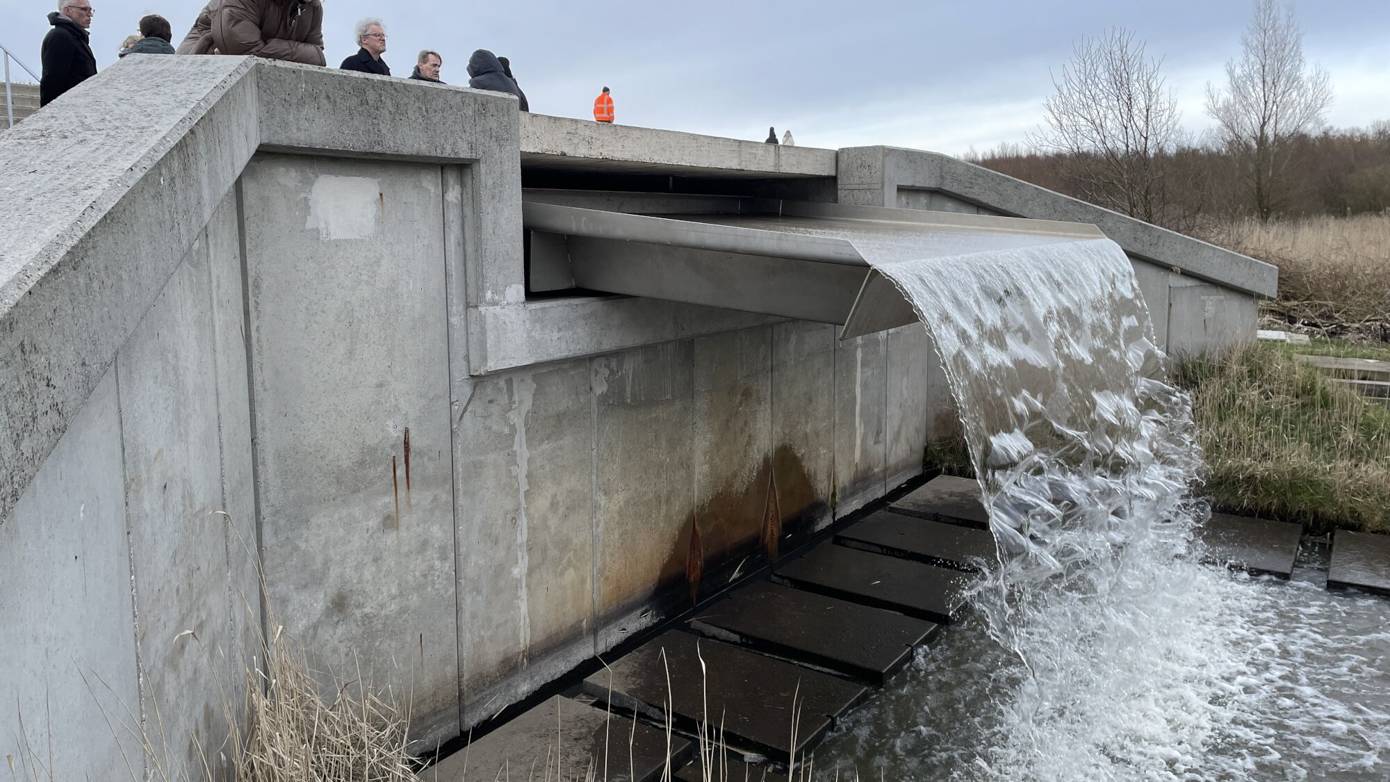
(949, 76)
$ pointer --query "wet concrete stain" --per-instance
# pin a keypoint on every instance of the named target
(407, 468)
(395, 521)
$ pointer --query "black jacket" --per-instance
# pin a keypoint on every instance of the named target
(415, 74)
(363, 62)
(486, 74)
(67, 58)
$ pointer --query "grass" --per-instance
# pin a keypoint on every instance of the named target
(1283, 441)
(1334, 278)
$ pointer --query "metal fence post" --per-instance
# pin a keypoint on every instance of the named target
(9, 99)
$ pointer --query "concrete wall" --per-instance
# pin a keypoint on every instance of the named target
(254, 324)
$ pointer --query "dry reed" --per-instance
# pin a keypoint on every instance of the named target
(1334, 273)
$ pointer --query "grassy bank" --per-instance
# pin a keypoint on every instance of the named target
(1283, 441)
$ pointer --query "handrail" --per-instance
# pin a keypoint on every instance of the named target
(9, 96)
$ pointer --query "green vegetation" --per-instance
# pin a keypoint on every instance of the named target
(1283, 441)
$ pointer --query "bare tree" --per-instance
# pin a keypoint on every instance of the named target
(1114, 121)
(1271, 96)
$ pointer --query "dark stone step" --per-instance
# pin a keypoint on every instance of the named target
(914, 588)
(912, 537)
(1258, 546)
(729, 768)
(526, 748)
(1360, 560)
(754, 697)
(946, 498)
(855, 640)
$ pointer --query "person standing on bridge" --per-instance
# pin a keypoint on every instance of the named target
(771, 136)
(371, 37)
(603, 107)
(155, 34)
(427, 67)
(67, 50)
(275, 29)
(486, 73)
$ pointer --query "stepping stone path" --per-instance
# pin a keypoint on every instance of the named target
(914, 588)
(946, 498)
(754, 697)
(568, 735)
(730, 769)
(934, 542)
(1258, 546)
(1360, 560)
(866, 643)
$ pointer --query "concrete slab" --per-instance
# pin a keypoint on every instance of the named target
(935, 542)
(910, 359)
(945, 498)
(1360, 560)
(803, 423)
(1204, 317)
(866, 643)
(753, 696)
(1251, 544)
(914, 588)
(729, 768)
(568, 739)
(861, 406)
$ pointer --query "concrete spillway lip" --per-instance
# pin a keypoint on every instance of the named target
(1360, 560)
(852, 639)
(913, 588)
(569, 734)
(755, 697)
(1257, 546)
(934, 542)
(945, 498)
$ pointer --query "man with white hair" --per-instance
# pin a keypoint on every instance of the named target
(371, 37)
(67, 50)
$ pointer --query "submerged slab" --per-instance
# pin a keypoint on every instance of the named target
(729, 768)
(856, 640)
(569, 734)
(914, 588)
(1360, 560)
(946, 498)
(1251, 544)
(754, 696)
(912, 537)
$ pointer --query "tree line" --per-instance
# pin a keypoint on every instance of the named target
(1111, 135)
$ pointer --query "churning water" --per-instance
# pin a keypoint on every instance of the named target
(1099, 648)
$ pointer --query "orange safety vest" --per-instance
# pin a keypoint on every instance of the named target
(603, 108)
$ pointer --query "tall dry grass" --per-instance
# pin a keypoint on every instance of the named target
(1334, 273)
(1282, 440)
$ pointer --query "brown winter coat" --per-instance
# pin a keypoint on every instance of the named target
(265, 28)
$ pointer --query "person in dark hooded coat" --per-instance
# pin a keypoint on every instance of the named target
(67, 51)
(485, 72)
(771, 136)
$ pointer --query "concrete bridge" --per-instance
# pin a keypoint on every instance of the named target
(420, 356)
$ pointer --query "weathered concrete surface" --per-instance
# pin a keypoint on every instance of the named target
(914, 588)
(910, 358)
(803, 422)
(66, 611)
(1360, 560)
(1153, 283)
(934, 542)
(946, 498)
(866, 643)
(103, 223)
(874, 176)
(564, 143)
(644, 495)
(349, 335)
(1203, 317)
(861, 417)
(569, 739)
(1251, 544)
(524, 509)
(751, 697)
(179, 546)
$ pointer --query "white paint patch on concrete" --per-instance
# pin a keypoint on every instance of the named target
(515, 294)
(345, 207)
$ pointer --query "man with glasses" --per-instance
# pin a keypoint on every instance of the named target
(371, 36)
(67, 52)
